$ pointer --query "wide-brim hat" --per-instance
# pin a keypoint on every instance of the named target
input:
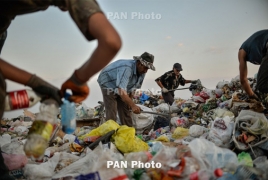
(146, 59)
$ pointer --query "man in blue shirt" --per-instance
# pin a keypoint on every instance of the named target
(118, 81)
(254, 50)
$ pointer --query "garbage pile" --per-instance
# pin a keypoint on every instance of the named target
(216, 134)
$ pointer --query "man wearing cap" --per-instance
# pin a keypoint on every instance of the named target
(170, 81)
(118, 81)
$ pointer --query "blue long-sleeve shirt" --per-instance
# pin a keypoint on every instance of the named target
(121, 74)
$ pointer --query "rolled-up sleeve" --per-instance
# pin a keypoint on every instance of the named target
(81, 11)
(181, 81)
(161, 78)
(123, 77)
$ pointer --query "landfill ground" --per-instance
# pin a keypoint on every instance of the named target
(215, 134)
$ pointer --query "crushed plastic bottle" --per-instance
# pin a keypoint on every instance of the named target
(21, 99)
(41, 130)
(68, 114)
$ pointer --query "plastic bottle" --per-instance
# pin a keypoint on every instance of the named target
(205, 174)
(41, 130)
(21, 99)
(68, 114)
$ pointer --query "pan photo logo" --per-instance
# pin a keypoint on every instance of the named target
(133, 16)
(133, 164)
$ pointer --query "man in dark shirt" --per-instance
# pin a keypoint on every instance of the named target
(92, 23)
(170, 81)
(254, 50)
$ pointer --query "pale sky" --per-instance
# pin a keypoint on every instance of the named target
(203, 35)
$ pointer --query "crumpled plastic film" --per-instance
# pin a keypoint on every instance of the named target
(126, 141)
(102, 129)
(180, 133)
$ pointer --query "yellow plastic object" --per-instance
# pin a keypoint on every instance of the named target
(126, 141)
(180, 133)
(162, 138)
(102, 129)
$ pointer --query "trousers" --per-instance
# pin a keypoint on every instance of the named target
(114, 104)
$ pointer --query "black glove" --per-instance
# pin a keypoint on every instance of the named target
(254, 96)
(193, 87)
(44, 89)
(194, 81)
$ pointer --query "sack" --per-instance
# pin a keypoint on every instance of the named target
(143, 120)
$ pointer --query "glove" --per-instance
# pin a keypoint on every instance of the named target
(194, 81)
(80, 90)
(254, 96)
(164, 90)
(192, 87)
(44, 89)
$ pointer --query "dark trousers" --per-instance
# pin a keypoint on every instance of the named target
(168, 97)
(262, 77)
(113, 104)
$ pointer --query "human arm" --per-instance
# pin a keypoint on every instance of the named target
(125, 98)
(244, 72)
(190, 81)
(109, 44)
(21, 76)
(159, 83)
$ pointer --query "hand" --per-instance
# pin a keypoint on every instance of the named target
(254, 96)
(164, 90)
(80, 90)
(192, 87)
(44, 89)
(194, 81)
(136, 109)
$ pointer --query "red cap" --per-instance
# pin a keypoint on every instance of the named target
(218, 172)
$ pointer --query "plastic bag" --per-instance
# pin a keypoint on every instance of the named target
(221, 131)
(259, 127)
(90, 112)
(126, 141)
(102, 129)
(221, 84)
(44, 170)
(180, 133)
(179, 122)
(197, 131)
(15, 161)
(81, 111)
(210, 156)
(143, 120)
(5, 139)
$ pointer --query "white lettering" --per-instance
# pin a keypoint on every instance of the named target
(109, 163)
(123, 164)
(109, 14)
(158, 165)
(133, 15)
(134, 163)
